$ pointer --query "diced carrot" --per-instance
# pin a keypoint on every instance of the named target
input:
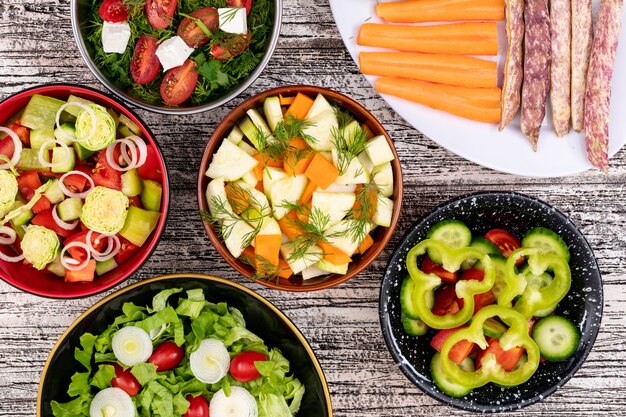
(466, 38)
(286, 101)
(298, 143)
(458, 70)
(365, 244)
(479, 104)
(266, 252)
(304, 216)
(264, 161)
(284, 270)
(311, 186)
(322, 172)
(372, 197)
(440, 10)
(82, 275)
(287, 225)
(247, 255)
(300, 106)
(368, 132)
(295, 164)
(333, 254)
(236, 198)
(259, 186)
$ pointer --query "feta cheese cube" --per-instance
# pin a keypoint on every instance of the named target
(115, 37)
(233, 20)
(173, 52)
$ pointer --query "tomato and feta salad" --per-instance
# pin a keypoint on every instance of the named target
(298, 187)
(173, 52)
(80, 188)
(490, 302)
(189, 358)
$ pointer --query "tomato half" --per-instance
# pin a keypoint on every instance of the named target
(192, 33)
(242, 366)
(167, 356)
(179, 83)
(127, 250)
(429, 267)
(506, 242)
(198, 407)
(229, 46)
(105, 175)
(145, 65)
(151, 169)
(160, 12)
(241, 3)
(113, 11)
(125, 380)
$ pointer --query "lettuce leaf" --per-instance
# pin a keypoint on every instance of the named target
(103, 376)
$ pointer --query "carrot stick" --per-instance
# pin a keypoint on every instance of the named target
(333, 254)
(311, 186)
(286, 101)
(468, 38)
(321, 171)
(365, 244)
(266, 251)
(300, 106)
(480, 104)
(441, 10)
(438, 68)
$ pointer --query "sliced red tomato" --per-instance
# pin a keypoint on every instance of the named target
(46, 220)
(28, 182)
(145, 65)
(160, 12)
(429, 267)
(151, 169)
(506, 358)
(127, 250)
(459, 352)
(475, 274)
(125, 380)
(79, 254)
(446, 301)
(179, 83)
(42, 204)
(198, 407)
(83, 275)
(240, 3)
(105, 175)
(76, 183)
(242, 366)
(22, 132)
(506, 242)
(167, 356)
(230, 45)
(193, 33)
(113, 11)
(135, 201)
(7, 147)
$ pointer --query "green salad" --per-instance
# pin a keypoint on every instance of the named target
(180, 360)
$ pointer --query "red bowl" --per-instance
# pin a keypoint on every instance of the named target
(44, 283)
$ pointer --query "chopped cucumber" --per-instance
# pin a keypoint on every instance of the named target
(29, 160)
(151, 195)
(124, 131)
(334, 205)
(379, 151)
(63, 160)
(353, 172)
(81, 152)
(383, 178)
(384, 212)
(247, 148)
(41, 112)
(230, 162)
(216, 197)
(139, 225)
(485, 246)
(235, 136)
(75, 110)
(350, 132)
(66, 133)
(70, 209)
(453, 233)
(258, 210)
(54, 193)
(313, 272)
(330, 267)
(261, 126)
(339, 188)
(547, 241)
(102, 267)
(40, 136)
(19, 230)
(366, 162)
(250, 131)
(341, 236)
(132, 126)
(115, 116)
(310, 258)
(407, 300)
(443, 381)
(413, 327)
(321, 128)
(273, 112)
(557, 338)
(24, 216)
(131, 183)
(239, 235)
(270, 227)
(250, 179)
(286, 191)
(492, 327)
(56, 267)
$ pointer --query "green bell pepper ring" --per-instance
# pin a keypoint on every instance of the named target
(425, 284)
(491, 371)
(532, 299)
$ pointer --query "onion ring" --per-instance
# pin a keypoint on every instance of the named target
(71, 263)
(141, 147)
(44, 148)
(7, 231)
(61, 223)
(84, 107)
(111, 250)
(133, 155)
(17, 152)
(69, 193)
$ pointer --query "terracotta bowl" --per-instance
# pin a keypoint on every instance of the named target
(44, 283)
(381, 235)
(261, 316)
(515, 213)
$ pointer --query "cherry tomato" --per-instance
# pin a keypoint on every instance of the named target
(240, 3)
(428, 267)
(105, 175)
(242, 366)
(167, 356)
(160, 12)
(506, 242)
(229, 46)
(125, 380)
(192, 33)
(113, 11)
(179, 83)
(198, 407)
(145, 65)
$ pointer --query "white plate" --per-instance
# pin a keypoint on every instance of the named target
(506, 151)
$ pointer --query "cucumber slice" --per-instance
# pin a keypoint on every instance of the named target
(131, 183)
(444, 383)
(230, 162)
(413, 327)
(547, 241)
(384, 212)
(40, 136)
(70, 209)
(151, 195)
(247, 148)
(485, 246)
(557, 337)
(41, 112)
(453, 233)
(81, 152)
(56, 267)
(54, 194)
(309, 259)
(354, 172)
(139, 225)
(124, 131)
(66, 133)
(261, 126)
(287, 190)
(23, 217)
(407, 301)
(494, 328)
(383, 178)
(105, 266)
(61, 161)
(332, 268)
(273, 112)
(334, 205)
(132, 126)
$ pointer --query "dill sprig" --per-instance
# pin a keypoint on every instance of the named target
(312, 230)
(348, 143)
(281, 147)
(366, 199)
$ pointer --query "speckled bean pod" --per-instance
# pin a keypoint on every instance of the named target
(513, 66)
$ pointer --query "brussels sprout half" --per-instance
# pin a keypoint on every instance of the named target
(104, 132)
(105, 210)
(40, 246)
(8, 191)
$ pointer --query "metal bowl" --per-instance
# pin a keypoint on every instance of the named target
(79, 11)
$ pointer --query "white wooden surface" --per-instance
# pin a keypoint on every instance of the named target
(36, 47)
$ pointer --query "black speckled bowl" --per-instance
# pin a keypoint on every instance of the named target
(515, 213)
